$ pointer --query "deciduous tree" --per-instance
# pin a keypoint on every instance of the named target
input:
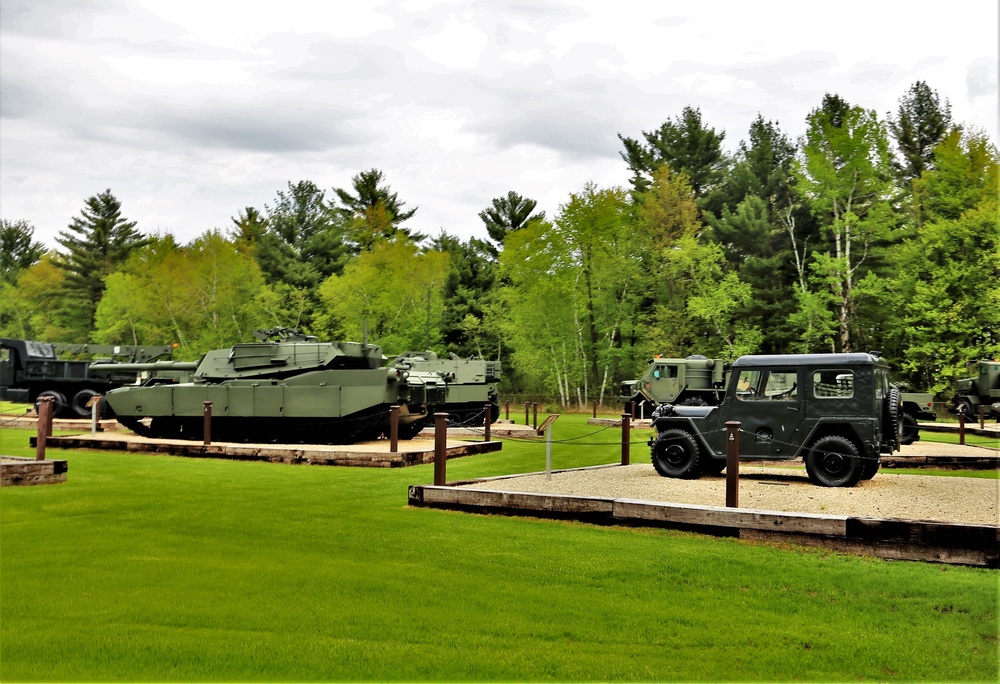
(388, 288)
(846, 176)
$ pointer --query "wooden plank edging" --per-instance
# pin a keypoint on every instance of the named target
(920, 540)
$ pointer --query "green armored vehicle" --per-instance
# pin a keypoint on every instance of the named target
(836, 411)
(291, 390)
(470, 383)
(694, 381)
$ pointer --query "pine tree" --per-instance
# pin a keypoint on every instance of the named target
(921, 123)
(97, 241)
(506, 214)
(374, 213)
(18, 249)
(683, 143)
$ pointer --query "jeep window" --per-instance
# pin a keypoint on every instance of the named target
(833, 384)
(766, 386)
(748, 384)
(781, 386)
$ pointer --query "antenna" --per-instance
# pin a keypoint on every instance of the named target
(364, 333)
(428, 345)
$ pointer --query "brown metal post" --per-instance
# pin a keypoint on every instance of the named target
(393, 429)
(506, 410)
(733, 464)
(625, 439)
(207, 430)
(982, 416)
(440, 448)
(534, 415)
(595, 408)
(526, 407)
(44, 426)
(487, 419)
(961, 424)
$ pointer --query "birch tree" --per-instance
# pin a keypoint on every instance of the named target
(846, 174)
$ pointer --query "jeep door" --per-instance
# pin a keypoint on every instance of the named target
(768, 405)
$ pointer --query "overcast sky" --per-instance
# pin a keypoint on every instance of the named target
(191, 111)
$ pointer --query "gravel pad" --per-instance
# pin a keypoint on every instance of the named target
(908, 497)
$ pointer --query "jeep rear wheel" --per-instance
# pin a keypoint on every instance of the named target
(676, 454)
(834, 461)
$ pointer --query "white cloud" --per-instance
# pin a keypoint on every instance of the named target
(459, 46)
(191, 111)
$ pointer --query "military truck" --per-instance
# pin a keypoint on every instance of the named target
(981, 390)
(694, 381)
(838, 412)
(915, 406)
(32, 370)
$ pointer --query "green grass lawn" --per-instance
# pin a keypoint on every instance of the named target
(952, 438)
(166, 568)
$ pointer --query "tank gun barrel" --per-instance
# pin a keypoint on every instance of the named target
(152, 366)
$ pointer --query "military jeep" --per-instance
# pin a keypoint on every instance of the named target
(837, 412)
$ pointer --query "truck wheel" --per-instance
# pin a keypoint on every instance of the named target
(834, 461)
(79, 403)
(676, 454)
(970, 412)
(58, 402)
(911, 431)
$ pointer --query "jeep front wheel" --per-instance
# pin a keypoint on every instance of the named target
(676, 454)
(834, 461)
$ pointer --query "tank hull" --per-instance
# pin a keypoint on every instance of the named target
(323, 407)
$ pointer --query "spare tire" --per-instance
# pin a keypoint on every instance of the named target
(892, 427)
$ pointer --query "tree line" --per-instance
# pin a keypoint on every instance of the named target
(867, 233)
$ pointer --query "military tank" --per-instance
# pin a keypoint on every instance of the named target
(285, 388)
